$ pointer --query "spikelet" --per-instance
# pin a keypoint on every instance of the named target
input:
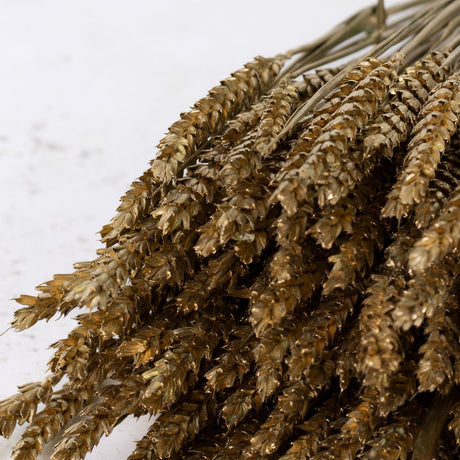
(439, 367)
(316, 429)
(237, 128)
(436, 124)
(356, 430)
(447, 178)
(271, 301)
(397, 117)
(119, 400)
(171, 376)
(319, 332)
(334, 220)
(331, 166)
(238, 439)
(174, 427)
(234, 363)
(396, 440)
(95, 283)
(454, 424)
(287, 192)
(280, 104)
(425, 292)
(239, 404)
(380, 349)
(315, 80)
(270, 352)
(22, 406)
(43, 306)
(290, 409)
(356, 255)
(440, 238)
(209, 115)
(50, 421)
(220, 271)
(135, 205)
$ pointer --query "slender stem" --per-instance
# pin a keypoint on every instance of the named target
(381, 15)
(443, 15)
(420, 21)
(433, 424)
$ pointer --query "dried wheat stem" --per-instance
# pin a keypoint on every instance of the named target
(426, 443)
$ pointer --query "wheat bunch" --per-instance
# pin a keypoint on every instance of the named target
(283, 281)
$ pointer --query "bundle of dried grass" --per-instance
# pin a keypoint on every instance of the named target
(282, 282)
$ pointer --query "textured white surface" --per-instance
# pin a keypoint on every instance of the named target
(88, 88)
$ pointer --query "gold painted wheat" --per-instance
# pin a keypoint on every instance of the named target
(282, 282)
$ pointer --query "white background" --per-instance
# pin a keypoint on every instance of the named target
(87, 90)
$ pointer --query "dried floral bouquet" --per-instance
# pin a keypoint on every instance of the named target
(282, 282)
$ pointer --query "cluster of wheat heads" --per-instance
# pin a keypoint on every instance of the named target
(282, 282)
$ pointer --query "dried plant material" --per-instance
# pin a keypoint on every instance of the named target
(290, 409)
(23, 406)
(238, 439)
(424, 294)
(62, 407)
(397, 117)
(396, 440)
(437, 122)
(280, 104)
(330, 167)
(357, 254)
(427, 442)
(441, 237)
(135, 205)
(356, 430)
(249, 290)
(171, 376)
(234, 363)
(238, 405)
(439, 367)
(174, 427)
(288, 192)
(334, 220)
(380, 353)
(446, 180)
(271, 301)
(98, 419)
(209, 115)
(319, 332)
(316, 429)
